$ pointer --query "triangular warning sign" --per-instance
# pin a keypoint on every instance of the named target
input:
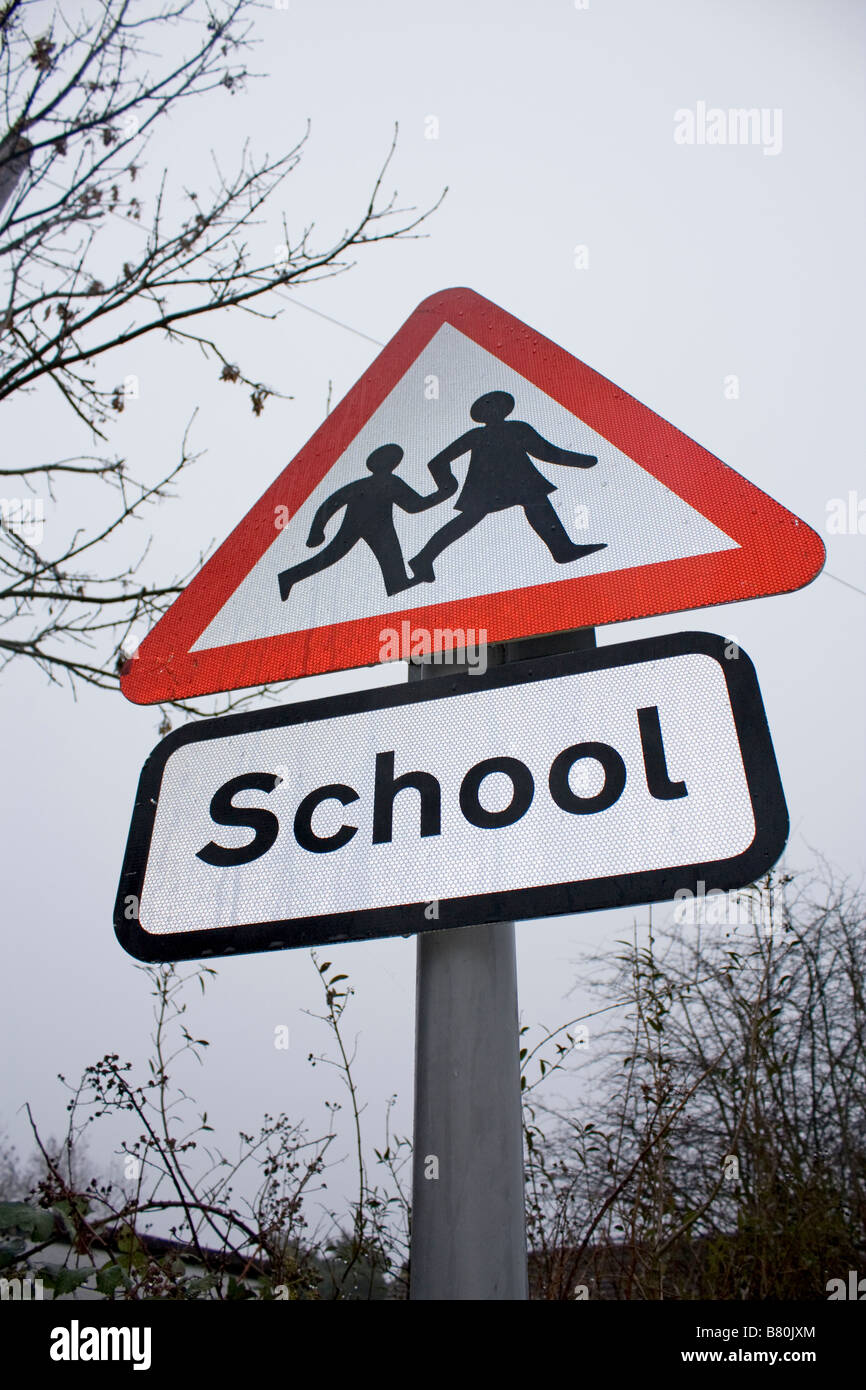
(477, 484)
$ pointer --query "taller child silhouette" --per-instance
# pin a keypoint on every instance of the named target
(501, 474)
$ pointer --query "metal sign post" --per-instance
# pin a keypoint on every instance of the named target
(468, 1202)
(490, 487)
(468, 1219)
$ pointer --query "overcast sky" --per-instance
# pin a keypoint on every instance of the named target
(556, 128)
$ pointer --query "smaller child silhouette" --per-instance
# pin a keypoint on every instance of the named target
(369, 504)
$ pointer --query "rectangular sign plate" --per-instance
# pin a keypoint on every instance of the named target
(587, 780)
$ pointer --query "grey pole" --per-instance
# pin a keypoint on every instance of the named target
(468, 1212)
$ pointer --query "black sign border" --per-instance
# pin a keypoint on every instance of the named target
(655, 885)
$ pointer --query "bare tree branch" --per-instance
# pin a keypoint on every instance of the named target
(82, 100)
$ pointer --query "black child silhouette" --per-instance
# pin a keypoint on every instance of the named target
(369, 504)
(501, 474)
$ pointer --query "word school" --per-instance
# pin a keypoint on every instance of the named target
(266, 826)
(571, 783)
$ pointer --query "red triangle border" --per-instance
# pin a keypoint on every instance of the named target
(777, 552)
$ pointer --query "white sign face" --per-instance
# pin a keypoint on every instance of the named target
(609, 502)
(586, 780)
(477, 478)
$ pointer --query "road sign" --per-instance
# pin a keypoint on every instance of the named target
(587, 780)
(477, 479)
